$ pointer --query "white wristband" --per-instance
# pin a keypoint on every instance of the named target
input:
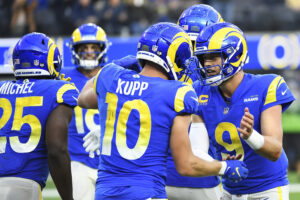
(255, 140)
(223, 168)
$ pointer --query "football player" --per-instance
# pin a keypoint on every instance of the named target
(141, 115)
(35, 113)
(193, 20)
(242, 113)
(89, 46)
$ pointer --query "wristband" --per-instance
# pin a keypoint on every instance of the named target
(223, 168)
(255, 140)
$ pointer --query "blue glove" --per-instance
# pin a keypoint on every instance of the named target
(129, 62)
(235, 170)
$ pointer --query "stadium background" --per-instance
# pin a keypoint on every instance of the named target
(272, 29)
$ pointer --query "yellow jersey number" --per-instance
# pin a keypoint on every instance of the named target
(18, 121)
(88, 118)
(235, 145)
(145, 127)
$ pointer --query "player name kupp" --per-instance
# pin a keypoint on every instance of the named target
(131, 87)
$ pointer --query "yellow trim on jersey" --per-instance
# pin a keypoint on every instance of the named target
(95, 80)
(62, 90)
(76, 35)
(179, 98)
(279, 193)
(271, 95)
(178, 39)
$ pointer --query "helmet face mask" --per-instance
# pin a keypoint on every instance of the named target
(89, 34)
(36, 55)
(167, 45)
(229, 43)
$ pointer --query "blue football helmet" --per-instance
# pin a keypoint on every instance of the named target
(229, 42)
(36, 55)
(169, 46)
(196, 17)
(89, 34)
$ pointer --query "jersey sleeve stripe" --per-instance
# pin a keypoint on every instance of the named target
(179, 98)
(271, 95)
(62, 90)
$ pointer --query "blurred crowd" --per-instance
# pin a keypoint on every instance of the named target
(132, 17)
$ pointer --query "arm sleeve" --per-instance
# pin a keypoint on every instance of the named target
(200, 141)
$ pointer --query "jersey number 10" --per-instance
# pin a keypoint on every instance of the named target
(144, 133)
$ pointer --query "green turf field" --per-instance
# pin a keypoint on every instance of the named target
(50, 193)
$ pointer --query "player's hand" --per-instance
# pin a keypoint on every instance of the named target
(233, 157)
(129, 62)
(246, 125)
(92, 142)
(235, 171)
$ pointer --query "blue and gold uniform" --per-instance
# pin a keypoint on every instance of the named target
(24, 109)
(193, 20)
(258, 93)
(83, 121)
(136, 116)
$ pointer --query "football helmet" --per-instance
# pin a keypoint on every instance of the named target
(229, 42)
(36, 55)
(89, 34)
(196, 17)
(169, 46)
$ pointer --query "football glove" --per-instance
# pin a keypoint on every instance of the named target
(129, 62)
(235, 170)
(92, 142)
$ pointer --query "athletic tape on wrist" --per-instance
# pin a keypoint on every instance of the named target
(255, 140)
(223, 168)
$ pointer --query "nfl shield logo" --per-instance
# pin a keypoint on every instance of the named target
(36, 62)
(16, 61)
(185, 27)
(154, 48)
(226, 110)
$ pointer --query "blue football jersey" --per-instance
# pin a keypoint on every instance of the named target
(83, 121)
(24, 108)
(136, 116)
(258, 93)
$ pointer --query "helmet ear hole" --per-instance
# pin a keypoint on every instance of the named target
(43, 41)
